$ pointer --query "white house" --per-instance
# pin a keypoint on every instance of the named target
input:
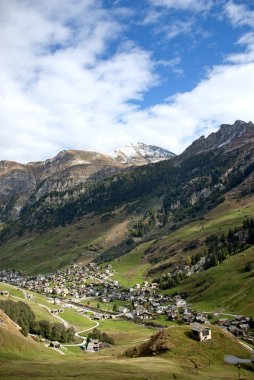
(200, 332)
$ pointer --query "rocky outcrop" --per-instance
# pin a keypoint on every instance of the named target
(228, 137)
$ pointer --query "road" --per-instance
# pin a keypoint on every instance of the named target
(77, 334)
(66, 324)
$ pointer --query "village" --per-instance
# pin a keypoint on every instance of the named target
(93, 288)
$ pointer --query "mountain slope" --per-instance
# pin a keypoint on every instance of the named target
(69, 168)
(226, 287)
(13, 345)
(179, 190)
(20, 183)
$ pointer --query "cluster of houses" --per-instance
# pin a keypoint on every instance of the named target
(143, 302)
(75, 281)
(238, 326)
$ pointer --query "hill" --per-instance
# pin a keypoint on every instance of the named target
(226, 287)
(13, 345)
(187, 359)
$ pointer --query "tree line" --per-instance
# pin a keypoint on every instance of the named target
(236, 240)
(22, 314)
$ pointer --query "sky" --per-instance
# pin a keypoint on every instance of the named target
(100, 74)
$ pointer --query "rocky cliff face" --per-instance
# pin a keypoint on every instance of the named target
(22, 183)
(228, 137)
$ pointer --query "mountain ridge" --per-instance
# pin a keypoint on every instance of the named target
(227, 137)
(69, 168)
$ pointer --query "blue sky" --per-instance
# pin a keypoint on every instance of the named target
(96, 75)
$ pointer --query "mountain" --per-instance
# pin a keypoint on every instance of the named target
(228, 137)
(105, 218)
(19, 182)
(141, 154)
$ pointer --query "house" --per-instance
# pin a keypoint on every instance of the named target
(244, 327)
(4, 293)
(172, 316)
(201, 333)
(144, 315)
(180, 303)
(123, 309)
(201, 319)
(30, 296)
(223, 322)
(93, 345)
(55, 344)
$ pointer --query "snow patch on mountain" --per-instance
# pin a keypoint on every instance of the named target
(140, 154)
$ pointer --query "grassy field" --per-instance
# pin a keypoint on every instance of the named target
(187, 360)
(77, 320)
(129, 269)
(125, 333)
(13, 291)
(42, 299)
(105, 306)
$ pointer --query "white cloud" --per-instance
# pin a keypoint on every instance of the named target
(226, 95)
(239, 14)
(58, 87)
(192, 5)
(68, 81)
(179, 27)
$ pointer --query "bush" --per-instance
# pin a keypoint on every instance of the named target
(249, 266)
(103, 337)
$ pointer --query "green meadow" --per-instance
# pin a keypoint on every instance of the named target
(130, 269)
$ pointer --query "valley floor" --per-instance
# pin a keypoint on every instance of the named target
(22, 358)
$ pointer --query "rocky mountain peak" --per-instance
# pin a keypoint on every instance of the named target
(228, 137)
(141, 154)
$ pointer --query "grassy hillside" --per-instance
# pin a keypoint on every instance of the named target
(130, 268)
(187, 360)
(176, 246)
(226, 287)
(206, 359)
(42, 253)
(13, 290)
(36, 304)
(13, 345)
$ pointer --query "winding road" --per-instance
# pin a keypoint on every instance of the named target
(65, 323)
